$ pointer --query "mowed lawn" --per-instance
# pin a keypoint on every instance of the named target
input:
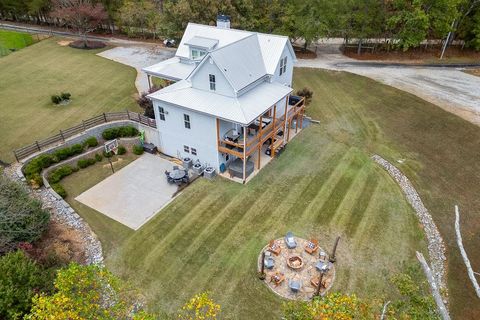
(30, 76)
(10, 40)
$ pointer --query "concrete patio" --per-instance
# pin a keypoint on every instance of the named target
(134, 194)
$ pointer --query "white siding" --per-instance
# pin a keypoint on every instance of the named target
(285, 78)
(200, 79)
(202, 134)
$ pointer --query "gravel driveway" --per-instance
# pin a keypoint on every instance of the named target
(449, 88)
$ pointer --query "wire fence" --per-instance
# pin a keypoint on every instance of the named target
(63, 135)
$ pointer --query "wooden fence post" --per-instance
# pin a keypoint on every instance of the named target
(139, 119)
(83, 124)
(105, 117)
(128, 114)
(38, 146)
(63, 138)
(15, 154)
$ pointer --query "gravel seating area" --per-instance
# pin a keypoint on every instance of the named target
(436, 246)
(62, 213)
(302, 275)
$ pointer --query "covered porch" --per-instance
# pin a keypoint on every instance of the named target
(247, 149)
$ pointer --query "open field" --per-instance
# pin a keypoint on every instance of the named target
(29, 77)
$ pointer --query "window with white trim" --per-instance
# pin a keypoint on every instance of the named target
(186, 149)
(186, 121)
(161, 113)
(283, 65)
(211, 78)
(197, 54)
(194, 151)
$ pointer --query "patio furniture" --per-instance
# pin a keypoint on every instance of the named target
(167, 174)
(274, 248)
(290, 241)
(269, 262)
(323, 255)
(294, 285)
(323, 266)
(150, 148)
(235, 168)
(295, 262)
(231, 135)
(277, 278)
(178, 176)
(311, 246)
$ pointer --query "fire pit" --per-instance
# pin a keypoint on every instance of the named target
(295, 262)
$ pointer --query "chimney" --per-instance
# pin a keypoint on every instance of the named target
(223, 21)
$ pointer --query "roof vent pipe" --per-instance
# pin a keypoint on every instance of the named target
(223, 21)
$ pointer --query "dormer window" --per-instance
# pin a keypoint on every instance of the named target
(283, 65)
(197, 54)
(211, 78)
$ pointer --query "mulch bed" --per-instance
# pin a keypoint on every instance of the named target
(80, 44)
(301, 54)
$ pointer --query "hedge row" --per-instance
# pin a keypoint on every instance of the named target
(119, 132)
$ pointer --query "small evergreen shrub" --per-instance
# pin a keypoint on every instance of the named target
(138, 149)
(76, 149)
(91, 161)
(90, 142)
(65, 95)
(56, 99)
(121, 150)
(98, 157)
(62, 154)
(107, 154)
(82, 163)
(59, 189)
(60, 173)
(118, 132)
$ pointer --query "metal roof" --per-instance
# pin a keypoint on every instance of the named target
(242, 110)
(171, 69)
(202, 42)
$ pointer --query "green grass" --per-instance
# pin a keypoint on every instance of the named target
(13, 41)
(323, 185)
(30, 76)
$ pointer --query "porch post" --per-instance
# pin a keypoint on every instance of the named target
(285, 119)
(149, 79)
(274, 129)
(244, 153)
(260, 141)
(218, 133)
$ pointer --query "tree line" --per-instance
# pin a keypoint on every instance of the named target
(402, 24)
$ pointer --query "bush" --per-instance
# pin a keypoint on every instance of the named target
(90, 142)
(65, 95)
(62, 154)
(121, 150)
(138, 149)
(118, 132)
(20, 280)
(76, 149)
(36, 165)
(56, 99)
(306, 93)
(60, 173)
(21, 217)
(82, 163)
(98, 157)
(107, 154)
(59, 189)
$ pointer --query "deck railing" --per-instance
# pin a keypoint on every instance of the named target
(63, 135)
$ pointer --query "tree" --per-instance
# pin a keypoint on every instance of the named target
(138, 15)
(83, 15)
(22, 218)
(88, 292)
(20, 279)
(200, 307)
(146, 104)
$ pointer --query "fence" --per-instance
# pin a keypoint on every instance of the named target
(60, 137)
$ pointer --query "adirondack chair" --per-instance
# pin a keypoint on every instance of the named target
(295, 285)
(274, 248)
(312, 246)
(290, 241)
(277, 278)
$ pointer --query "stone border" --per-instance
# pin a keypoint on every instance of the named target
(436, 246)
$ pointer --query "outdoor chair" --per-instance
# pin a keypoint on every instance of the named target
(295, 285)
(290, 241)
(277, 278)
(269, 262)
(274, 248)
(311, 246)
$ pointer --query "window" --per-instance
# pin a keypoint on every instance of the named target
(161, 112)
(194, 151)
(197, 54)
(186, 149)
(283, 65)
(211, 77)
(186, 120)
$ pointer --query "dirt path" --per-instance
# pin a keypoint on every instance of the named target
(450, 88)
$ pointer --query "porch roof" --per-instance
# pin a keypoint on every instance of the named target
(242, 110)
(170, 69)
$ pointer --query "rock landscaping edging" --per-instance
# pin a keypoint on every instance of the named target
(436, 246)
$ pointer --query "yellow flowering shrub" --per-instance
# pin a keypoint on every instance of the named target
(200, 307)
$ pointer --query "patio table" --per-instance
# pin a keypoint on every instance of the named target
(177, 174)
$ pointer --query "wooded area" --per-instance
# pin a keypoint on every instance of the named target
(398, 24)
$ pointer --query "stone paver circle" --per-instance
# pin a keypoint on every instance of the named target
(303, 274)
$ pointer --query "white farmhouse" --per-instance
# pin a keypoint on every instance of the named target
(229, 106)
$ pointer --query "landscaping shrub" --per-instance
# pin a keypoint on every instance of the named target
(98, 157)
(107, 154)
(62, 154)
(118, 132)
(137, 149)
(22, 218)
(76, 149)
(20, 280)
(90, 142)
(307, 94)
(59, 189)
(65, 95)
(56, 99)
(82, 163)
(60, 173)
(36, 165)
(122, 150)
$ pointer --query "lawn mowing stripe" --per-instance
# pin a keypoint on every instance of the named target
(361, 203)
(326, 212)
